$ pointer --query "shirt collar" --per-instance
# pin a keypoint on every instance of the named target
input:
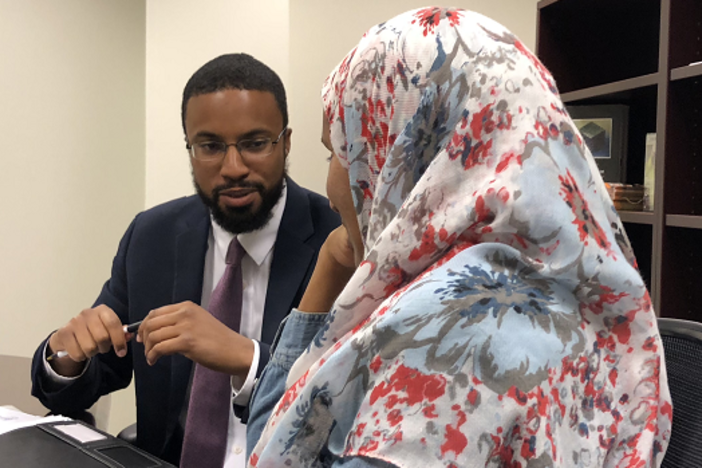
(257, 244)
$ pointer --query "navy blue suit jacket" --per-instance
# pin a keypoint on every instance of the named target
(160, 261)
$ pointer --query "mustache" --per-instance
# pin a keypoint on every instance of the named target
(242, 184)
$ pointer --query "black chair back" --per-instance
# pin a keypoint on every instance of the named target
(682, 343)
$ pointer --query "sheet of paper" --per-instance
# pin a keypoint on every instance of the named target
(79, 432)
(12, 418)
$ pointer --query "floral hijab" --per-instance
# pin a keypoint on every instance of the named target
(498, 318)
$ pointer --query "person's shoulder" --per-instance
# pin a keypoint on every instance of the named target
(159, 225)
(318, 204)
(177, 205)
(317, 201)
(296, 192)
(184, 208)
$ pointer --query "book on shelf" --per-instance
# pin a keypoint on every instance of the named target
(626, 197)
(650, 171)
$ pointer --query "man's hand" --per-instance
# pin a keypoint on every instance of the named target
(190, 330)
(91, 332)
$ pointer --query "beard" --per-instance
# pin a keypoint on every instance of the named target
(242, 219)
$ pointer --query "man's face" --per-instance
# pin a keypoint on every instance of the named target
(240, 193)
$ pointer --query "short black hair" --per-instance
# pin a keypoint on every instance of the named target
(235, 71)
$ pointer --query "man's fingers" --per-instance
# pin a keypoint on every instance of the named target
(161, 343)
(106, 330)
(161, 334)
(85, 341)
(166, 316)
(165, 310)
(99, 333)
(115, 330)
(74, 350)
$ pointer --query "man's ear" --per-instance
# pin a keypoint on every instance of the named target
(288, 141)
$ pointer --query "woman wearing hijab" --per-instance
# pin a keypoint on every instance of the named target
(496, 316)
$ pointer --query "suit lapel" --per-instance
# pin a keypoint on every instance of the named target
(292, 263)
(292, 260)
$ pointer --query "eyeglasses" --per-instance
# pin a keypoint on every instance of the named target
(252, 149)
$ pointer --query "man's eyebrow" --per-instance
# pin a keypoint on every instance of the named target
(246, 136)
(208, 135)
(255, 133)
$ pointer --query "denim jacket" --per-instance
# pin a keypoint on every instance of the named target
(294, 335)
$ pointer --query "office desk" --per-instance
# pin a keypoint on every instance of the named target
(40, 446)
(70, 444)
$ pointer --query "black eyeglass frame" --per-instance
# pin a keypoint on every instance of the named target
(224, 147)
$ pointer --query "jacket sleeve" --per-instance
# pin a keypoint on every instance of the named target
(294, 334)
(106, 372)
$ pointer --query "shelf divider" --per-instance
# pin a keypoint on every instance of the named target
(636, 217)
(688, 71)
(611, 88)
(684, 221)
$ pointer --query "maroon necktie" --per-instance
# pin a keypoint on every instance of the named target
(207, 421)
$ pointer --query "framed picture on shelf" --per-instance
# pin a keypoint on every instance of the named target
(604, 131)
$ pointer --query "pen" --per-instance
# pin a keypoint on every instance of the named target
(131, 328)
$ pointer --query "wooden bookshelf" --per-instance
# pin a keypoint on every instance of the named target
(689, 71)
(647, 55)
(692, 222)
(637, 217)
(611, 88)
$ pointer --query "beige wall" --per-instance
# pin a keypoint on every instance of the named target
(322, 32)
(182, 35)
(72, 120)
(302, 40)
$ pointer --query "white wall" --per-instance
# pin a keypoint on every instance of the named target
(322, 32)
(182, 35)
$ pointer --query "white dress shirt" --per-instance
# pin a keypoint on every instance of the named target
(255, 268)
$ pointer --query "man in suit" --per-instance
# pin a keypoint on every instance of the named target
(171, 258)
